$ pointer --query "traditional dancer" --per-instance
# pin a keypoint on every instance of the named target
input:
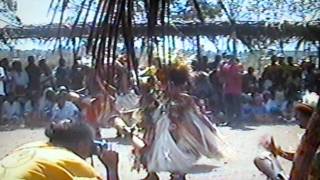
(179, 132)
(126, 100)
(100, 110)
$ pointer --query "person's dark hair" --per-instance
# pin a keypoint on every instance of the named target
(205, 58)
(69, 133)
(5, 63)
(250, 70)
(290, 59)
(179, 74)
(61, 96)
(31, 59)
(274, 58)
(50, 95)
(281, 58)
(62, 62)
(44, 67)
(17, 66)
(218, 58)
(42, 63)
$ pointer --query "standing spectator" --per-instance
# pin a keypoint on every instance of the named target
(308, 76)
(4, 63)
(293, 82)
(46, 77)
(271, 74)
(2, 85)
(202, 88)
(215, 64)
(201, 64)
(20, 79)
(249, 81)
(232, 88)
(62, 74)
(77, 75)
(240, 65)
(283, 76)
(34, 73)
(217, 87)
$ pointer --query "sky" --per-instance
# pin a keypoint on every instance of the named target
(33, 11)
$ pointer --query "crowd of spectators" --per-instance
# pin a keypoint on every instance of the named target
(239, 92)
(224, 86)
(38, 91)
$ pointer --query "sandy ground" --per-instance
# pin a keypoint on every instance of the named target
(243, 141)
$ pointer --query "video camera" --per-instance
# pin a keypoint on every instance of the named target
(100, 145)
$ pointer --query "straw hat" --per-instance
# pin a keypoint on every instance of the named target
(309, 102)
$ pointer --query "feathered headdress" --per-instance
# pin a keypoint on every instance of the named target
(179, 72)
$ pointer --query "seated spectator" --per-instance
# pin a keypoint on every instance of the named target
(62, 157)
(46, 103)
(272, 106)
(64, 109)
(276, 104)
(247, 107)
(259, 110)
(11, 110)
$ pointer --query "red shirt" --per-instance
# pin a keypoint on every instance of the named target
(232, 79)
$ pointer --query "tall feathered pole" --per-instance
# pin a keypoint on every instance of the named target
(111, 21)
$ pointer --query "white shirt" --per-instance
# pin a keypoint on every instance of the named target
(21, 78)
(2, 76)
(127, 101)
(11, 111)
(68, 111)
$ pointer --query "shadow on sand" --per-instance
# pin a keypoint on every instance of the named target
(202, 168)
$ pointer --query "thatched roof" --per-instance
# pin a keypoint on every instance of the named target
(252, 30)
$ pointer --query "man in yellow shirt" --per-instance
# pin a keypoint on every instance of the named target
(62, 158)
